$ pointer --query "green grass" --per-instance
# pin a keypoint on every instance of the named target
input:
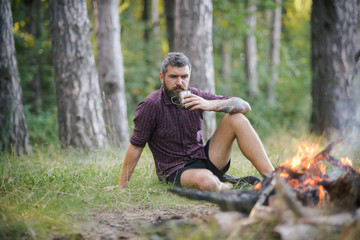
(53, 190)
(48, 191)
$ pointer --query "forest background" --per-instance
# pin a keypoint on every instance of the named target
(291, 114)
(281, 126)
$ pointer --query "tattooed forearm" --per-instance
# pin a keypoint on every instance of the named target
(232, 105)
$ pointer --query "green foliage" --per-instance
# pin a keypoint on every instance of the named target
(294, 85)
(34, 55)
(140, 63)
(43, 127)
(141, 57)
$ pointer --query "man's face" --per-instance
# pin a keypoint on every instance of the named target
(175, 80)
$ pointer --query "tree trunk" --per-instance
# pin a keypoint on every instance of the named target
(34, 28)
(13, 129)
(251, 49)
(145, 19)
(193, 37)
(333, 31)
(357, 58)
(170, 6)
(81, 123)
(155, 25)
(226, 67)
(111, 73)
(357, 79)
(274, 53)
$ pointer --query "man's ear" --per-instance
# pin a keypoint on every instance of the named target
(161, 77)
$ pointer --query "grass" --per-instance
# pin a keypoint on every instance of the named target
(52, 190)
(48, 191)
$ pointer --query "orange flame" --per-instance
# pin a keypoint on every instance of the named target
(346, 161)
(305, 170)
(303, 159)
(321, 194)
(284, 175)
(309, 169)
(257, 186)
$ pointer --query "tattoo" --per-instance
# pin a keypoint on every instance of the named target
(232, 105)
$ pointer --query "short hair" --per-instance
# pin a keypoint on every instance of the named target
(174, 59)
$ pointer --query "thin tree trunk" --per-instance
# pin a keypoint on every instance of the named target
(93, 15)
(251, 49)
(111, 72)
(193, 37)
(13, 128)
(155, 24)
(226, 67)
(356, 139)
(170, 6)
(145, 18)
(274, 53)
(34, 28)
(81, 123)
(333, 31)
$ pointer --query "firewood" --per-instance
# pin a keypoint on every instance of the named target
(344, 192)
(297, 231)
(226, 220)
(337, 163)
(241, 201)
(267, 213)
(335, 220)
(326, 152)
(266, 191)
(288, 196)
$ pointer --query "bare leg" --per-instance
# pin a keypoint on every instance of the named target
(203, 179)
(237, 126)
(233, 126)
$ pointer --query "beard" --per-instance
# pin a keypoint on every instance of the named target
(172, 92)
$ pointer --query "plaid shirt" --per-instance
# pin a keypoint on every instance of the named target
(173, 134)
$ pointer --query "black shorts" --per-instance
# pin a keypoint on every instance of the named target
(174, 178)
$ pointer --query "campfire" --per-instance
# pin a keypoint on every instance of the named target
(298, 200)
(305, 172)
(304, 175)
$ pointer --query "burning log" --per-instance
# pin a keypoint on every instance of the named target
(344, 192)
(337, 163)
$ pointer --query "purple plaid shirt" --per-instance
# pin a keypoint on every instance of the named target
(173, 134)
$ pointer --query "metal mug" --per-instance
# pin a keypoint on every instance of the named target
(180, 97)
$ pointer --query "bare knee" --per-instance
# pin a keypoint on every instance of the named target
(236, 118)
(201, 179)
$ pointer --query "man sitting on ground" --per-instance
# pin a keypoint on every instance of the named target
(174, 133)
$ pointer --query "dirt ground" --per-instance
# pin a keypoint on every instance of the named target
(131, 223)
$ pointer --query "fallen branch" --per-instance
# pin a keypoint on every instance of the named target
(241, 201)
(337, 163)
(289, 197)
(268, 190)
(326, 152)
